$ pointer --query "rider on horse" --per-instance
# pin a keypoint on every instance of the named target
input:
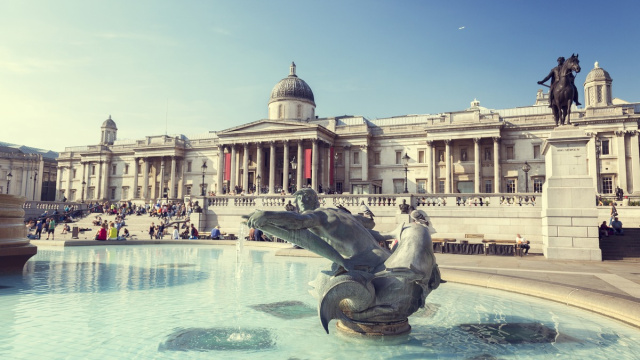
(555, 75)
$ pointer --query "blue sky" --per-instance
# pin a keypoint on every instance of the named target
(196, 66)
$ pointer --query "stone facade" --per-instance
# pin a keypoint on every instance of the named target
(476, 150)
(28, 172)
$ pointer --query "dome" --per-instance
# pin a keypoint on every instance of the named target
(109, 124)
(292, 88)
(597, 74)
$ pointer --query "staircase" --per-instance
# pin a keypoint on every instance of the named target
(626, 247)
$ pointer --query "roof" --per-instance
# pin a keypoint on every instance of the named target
(8, 147)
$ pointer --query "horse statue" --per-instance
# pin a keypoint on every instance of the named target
(563, 91)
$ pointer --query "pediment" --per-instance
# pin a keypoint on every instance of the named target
(267, 126)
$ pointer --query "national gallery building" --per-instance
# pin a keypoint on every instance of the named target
(476, 150)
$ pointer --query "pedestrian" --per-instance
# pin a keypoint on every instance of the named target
(176, 233)
(193, 233)
(39, 229)
(51, 229)
(613, 213)
(152, 230)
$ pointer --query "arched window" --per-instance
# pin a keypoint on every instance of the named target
(280, 111)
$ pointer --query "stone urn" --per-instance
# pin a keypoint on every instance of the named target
(15, 248)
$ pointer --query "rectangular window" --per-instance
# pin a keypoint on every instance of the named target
(398, 157)
(510, 154)
(488, 186)
(511, 186)
(607, 184)
(126, 169)
(113, 170)
(93, 169)
(188, 189)
(398, 186)
(356, 158)
(421, 186)
(138, 192)
(74, 173)
(605, 147)
(113, 193)
(537, 185)
(441, 186)
(376, 158)
(536, 151)
(421, 157)
(188, 166)
(339, 187)
(125, 192)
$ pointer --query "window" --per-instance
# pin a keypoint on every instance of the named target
(188, 166)
(511, 186)
(421, 156)
(93, 169)
(113, 170)
(339, 187)
(421, 186)
(488, 186)
(125, 192)
(510, 155)
(398, 157)
(537, 185)
(376, 158)
(113, 193)
(463, 154)
(605, 147)
(398, 186)
(126, 169)
(340, 160)
(607, 184)
(74, 173)
(90, 193)
(280, 111)
(441, 186)
(356, 158)
(359, 189)
(188, 189)
(599, 92)
(536, 151)
(299, 111)
(138, 192)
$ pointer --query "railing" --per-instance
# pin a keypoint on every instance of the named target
(383, 200)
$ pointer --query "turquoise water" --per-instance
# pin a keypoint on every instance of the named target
(204, 302)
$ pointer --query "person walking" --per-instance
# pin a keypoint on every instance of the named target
(51, 229)
(613, 213)
(152, 230)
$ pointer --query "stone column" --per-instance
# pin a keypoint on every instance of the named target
(145, 186)
(314, 165)
(285, 167)
(476, 164)
(364, 160)
(259, 162)
(245, 167)
(346, 158)
(272, 166)
(622, 161)
(635, 161)
(220, 173)
(105, 180)
(181, 181)
(58, 183)
(232, 178)
(496, 164)
(447, 176)
(135, 178)
(300, 159)
(162, 176)
(593, 158)
(172, 187)
(83, 190)
(68, 191)
(430, 169)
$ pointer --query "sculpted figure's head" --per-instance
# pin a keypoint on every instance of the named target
(561, 60)
(306, 199)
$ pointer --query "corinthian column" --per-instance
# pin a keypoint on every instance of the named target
(496, 164)
(300, 164)
(430, 168)
(220, 172)
(172, 188)
(245, 167)
(476, 165)
(232, 185)
(447, 176)
(135, 178)
(272, 166)
(285, 167)
(314, 165)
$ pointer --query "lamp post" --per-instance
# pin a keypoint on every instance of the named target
(335, 173)
(526, 167)
(405, 161)
(258, 184)
(598, 152)
(204, 169)
(9, 176)
(84, 183)
(35, 181)
(294, 166)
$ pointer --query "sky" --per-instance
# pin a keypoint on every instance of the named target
(190, 67)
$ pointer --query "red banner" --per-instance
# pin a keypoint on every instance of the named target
(307, 163)
(331, 167)
(227, 167)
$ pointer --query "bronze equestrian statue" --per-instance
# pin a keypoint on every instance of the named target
(563, 91)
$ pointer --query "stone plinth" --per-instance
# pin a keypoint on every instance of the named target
(569, 213)
(15, 248)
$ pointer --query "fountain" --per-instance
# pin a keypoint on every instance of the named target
(369, 290)
(15, 248)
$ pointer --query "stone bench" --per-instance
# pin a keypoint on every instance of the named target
(494, 246)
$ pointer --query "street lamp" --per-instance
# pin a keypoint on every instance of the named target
(405, 161)
(259, 186)
(84, 183)
(204, 169)
(335, 172)
(526, 167)
(35, 181)
(294, 166)
(9, 176)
